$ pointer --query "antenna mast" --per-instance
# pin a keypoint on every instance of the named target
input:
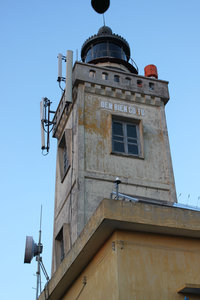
(38, 259)
(32, 249)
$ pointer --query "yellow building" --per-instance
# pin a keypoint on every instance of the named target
(132, 250)
(141, 244)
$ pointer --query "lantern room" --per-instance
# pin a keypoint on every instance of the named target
(109, 49)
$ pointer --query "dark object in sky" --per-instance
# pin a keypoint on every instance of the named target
(100, 6)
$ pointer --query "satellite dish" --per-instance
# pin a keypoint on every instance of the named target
(31, 249)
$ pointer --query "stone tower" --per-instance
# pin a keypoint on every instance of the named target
(115, 127)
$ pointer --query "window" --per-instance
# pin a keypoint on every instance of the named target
(105, 76)
(64, 152)
(151, 86)
(62, 243)
(92, 73)
(127, 80)
(125, 137)
(139, 83)
(60, 253)
(105, 49)
(116, 78)
(65, 159)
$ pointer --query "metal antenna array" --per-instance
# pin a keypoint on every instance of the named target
(32, 249)
(46, 120)
(68, 80)
(60, 77)
(46, 123)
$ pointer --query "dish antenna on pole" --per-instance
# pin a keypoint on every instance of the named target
(33, 249)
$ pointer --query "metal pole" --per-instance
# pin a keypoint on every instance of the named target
(48, 105)
(38, 276)
(117, 182)
(38, 259)
(117, 190)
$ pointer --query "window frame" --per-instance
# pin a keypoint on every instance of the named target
(64, 152)
(139, 131)
(104, 76)
(62, 243)
(92, 53)
(60, 249)
(116, 78)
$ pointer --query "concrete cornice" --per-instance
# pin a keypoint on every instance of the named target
(112, 215)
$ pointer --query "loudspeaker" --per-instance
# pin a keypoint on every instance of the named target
(100, 6)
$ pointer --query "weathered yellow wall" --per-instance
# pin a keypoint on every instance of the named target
(139, 266)
(101, 277)
(154, 267)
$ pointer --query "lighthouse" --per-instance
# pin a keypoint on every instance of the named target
(118, 233)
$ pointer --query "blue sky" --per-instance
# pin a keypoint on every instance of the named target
(164, 33)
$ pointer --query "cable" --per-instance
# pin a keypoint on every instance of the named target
(44, 154)
(70, 199)
(46, 291)
(84, 284)
(61, 87)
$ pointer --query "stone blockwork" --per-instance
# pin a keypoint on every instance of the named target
(92, 164)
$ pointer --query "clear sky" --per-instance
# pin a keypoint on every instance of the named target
(164, 33)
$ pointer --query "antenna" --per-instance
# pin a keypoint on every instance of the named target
(117, 182)
(42, 122)
(32, 249)
(46, 123)
(69, 65)
(60, 77)
(60, 57)
(68, 80)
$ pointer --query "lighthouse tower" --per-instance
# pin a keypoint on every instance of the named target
(115, 127)
(119, 233)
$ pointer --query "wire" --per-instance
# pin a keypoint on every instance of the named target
(46, 291)
(84, 284)
(44, 127)
(44, 154)
(70, 199)
(61, 87)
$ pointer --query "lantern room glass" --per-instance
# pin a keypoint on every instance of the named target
(107, 49)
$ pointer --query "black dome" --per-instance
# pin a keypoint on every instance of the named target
(106, 46)
(105, 30)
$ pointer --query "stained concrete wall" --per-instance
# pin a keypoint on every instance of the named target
(100, 279)
(134, 265)
(93, 166)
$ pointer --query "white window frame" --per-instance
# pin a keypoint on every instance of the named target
(139, 138)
